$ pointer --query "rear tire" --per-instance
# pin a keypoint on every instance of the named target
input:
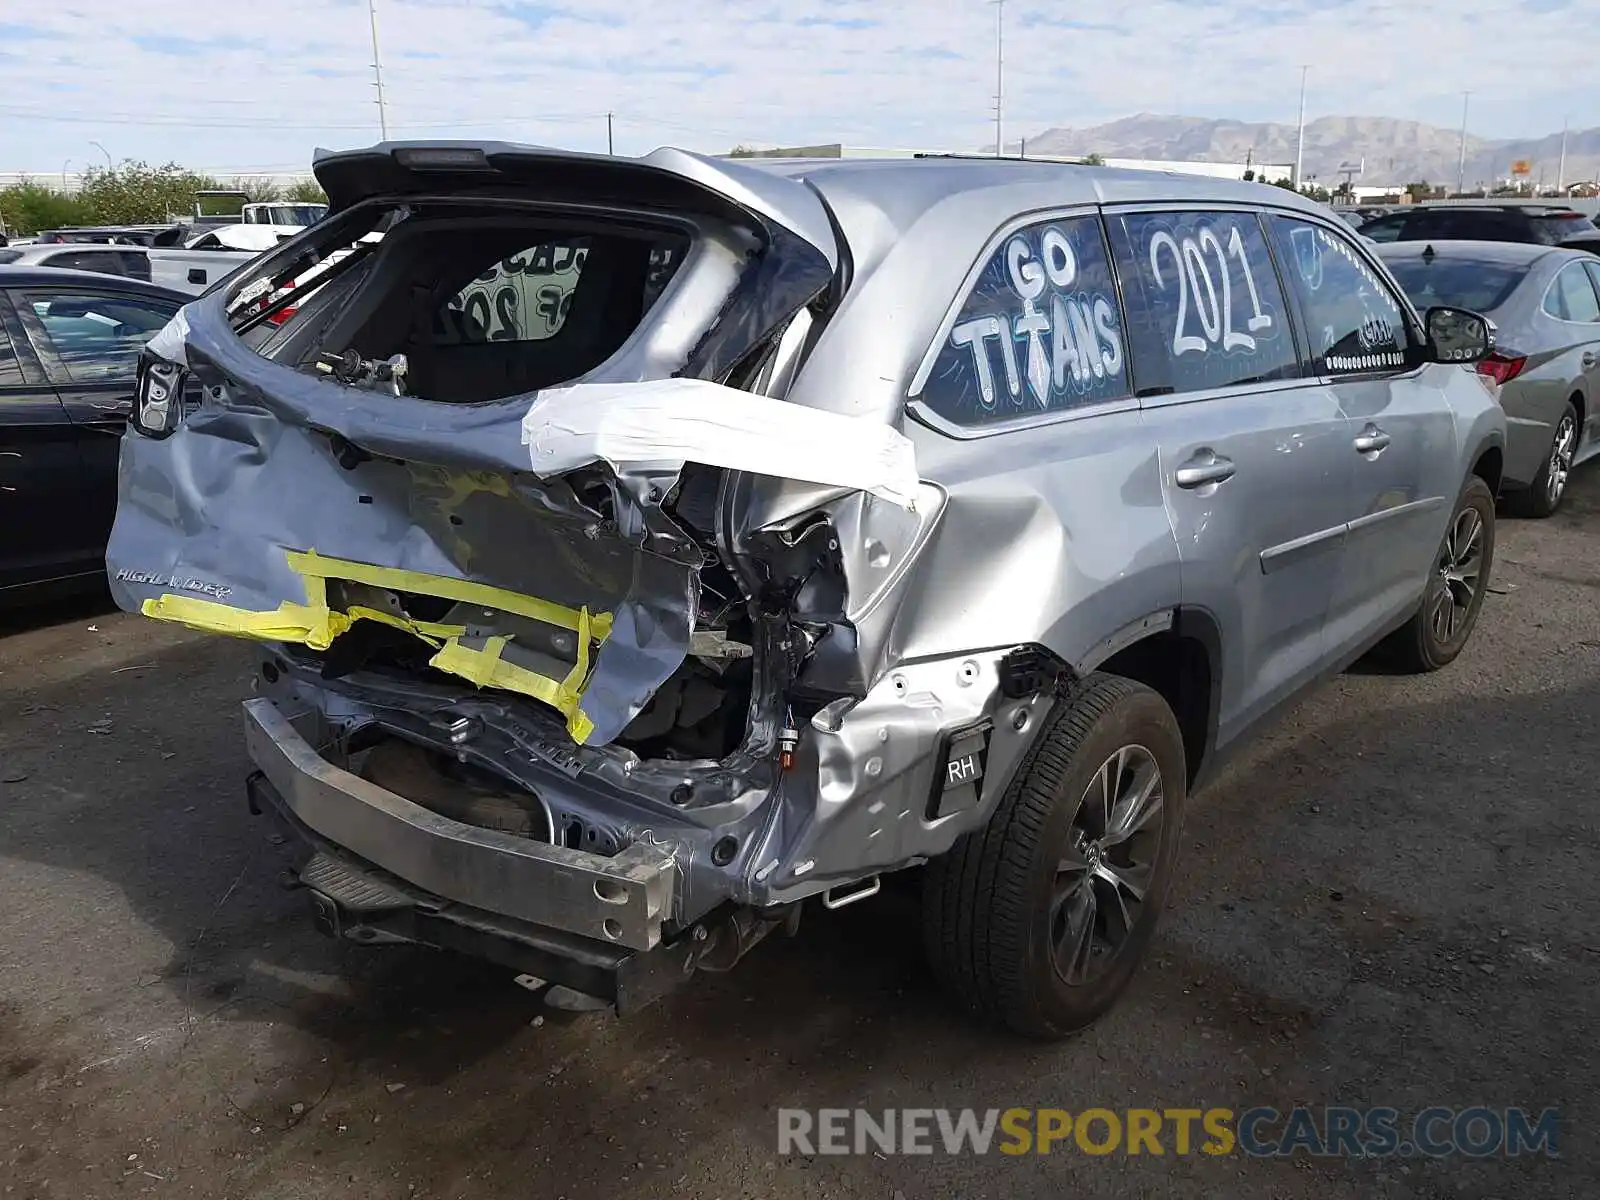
(1544, 495)
(1038, 920)
(1445, 619)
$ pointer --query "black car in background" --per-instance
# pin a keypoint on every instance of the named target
(69, 345)
(122, 235)
(1536, 224)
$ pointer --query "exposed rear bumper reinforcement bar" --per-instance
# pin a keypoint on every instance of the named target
(359, 903)
(619, 901)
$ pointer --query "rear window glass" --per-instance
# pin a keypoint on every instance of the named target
(1456, 282)
(1555, 228)
(481, 305)
(1039, 331)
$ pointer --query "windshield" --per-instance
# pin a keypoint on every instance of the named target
(1556, 228)
(1457, 282)
(295, 214)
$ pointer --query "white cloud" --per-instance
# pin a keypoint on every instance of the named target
(228, 87)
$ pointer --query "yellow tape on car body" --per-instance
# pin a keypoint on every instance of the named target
(316, 625)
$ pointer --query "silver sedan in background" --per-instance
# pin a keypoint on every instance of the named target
(1545, 304)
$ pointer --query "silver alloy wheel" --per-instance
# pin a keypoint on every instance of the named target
(1109, 865)
(1561, 452)
(1460, 569)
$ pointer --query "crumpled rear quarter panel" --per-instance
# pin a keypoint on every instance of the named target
(212, 512)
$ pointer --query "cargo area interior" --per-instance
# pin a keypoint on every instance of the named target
(485, 303)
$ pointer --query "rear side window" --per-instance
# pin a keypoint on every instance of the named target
(1354, 321)
(1571, 296)
(1467, 225)
(1385, 229)
(1555, 228)
(1038, 332)
(104, 262)
(1204, 306)
(9, 256)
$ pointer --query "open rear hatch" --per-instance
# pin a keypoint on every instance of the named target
(445, 432)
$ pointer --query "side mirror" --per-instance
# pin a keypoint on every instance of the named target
(1456, 335)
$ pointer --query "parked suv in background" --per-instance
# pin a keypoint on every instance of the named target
(1539, 224)
(645, 546)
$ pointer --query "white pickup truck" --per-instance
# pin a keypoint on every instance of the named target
(213, 255)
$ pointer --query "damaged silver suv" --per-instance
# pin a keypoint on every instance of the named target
(638, 548)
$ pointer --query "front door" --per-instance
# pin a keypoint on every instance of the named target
(1400, 433)
(1254, 464)
(89, 342)
(38, 471)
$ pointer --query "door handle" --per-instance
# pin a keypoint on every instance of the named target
(1207, 466)
(1371, 440)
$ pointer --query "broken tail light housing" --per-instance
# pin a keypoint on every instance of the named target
(1501, 368)
(164, 394)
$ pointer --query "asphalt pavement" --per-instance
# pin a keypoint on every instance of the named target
(1390, 900)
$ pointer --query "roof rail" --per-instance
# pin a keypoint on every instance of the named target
(980, 156)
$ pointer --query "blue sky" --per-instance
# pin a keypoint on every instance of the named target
(245, 89)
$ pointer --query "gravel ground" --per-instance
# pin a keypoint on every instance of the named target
(1390, 900)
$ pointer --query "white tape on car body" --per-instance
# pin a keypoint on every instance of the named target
(678, 421)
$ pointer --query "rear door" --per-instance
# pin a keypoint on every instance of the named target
(1399, 440)
(1590, 435)
(39, 474)
(1572, 303)
(1254, 459)
(89, 341)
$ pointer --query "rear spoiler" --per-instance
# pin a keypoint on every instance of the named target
(666, 179)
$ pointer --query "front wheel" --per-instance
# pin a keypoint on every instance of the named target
(1038, 920)
(1449, 611)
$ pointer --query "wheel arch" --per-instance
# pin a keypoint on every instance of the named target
(1489, 466)
(1178, 653)
(1580, 402)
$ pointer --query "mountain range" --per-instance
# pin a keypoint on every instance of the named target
(1396, 152)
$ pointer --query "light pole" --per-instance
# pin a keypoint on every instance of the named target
(999, 75)
(1461, 165)
(377, 68)
(64, 167)
(110, 166)
(1300, 136)
(1561, 171)
(610, 142)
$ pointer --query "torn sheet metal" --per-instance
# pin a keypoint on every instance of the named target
(663, 424)
(242, 524)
